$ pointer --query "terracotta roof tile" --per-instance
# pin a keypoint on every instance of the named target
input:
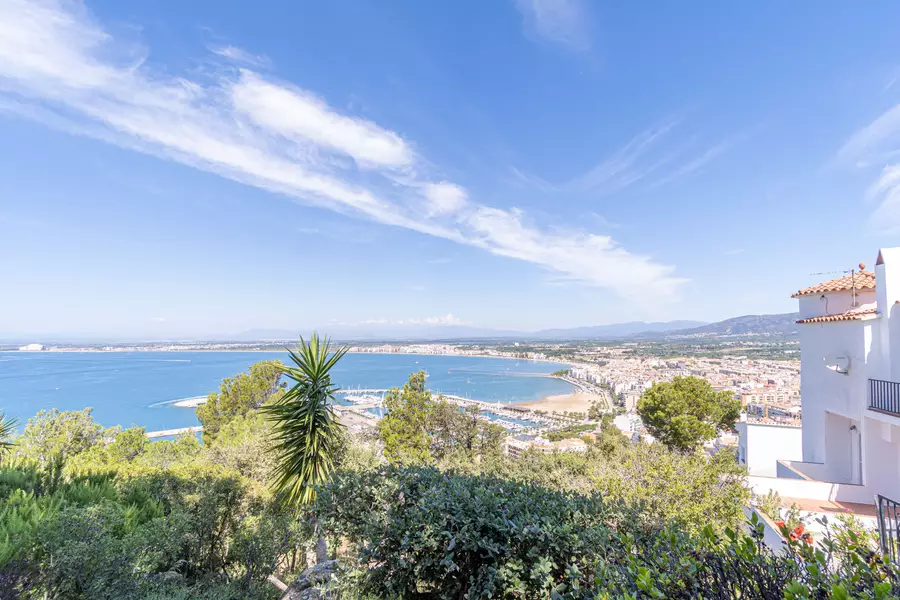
(865, 280)
(855, 314)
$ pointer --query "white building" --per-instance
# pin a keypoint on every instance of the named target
(850, 392)
(31, 348)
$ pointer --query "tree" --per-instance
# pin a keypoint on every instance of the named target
(52, 436)
(307, 435)
(239, 395)
(687, 411)
(404, 428)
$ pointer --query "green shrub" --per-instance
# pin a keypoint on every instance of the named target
(421, 533)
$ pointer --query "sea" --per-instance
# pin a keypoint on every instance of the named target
(139, 388)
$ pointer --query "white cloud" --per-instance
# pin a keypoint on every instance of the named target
(305, 119)
(590, 258)
(447, 319)
(158, 319)
(878, 143)
(559, 21)
(59, 67)
(445, 198)
(238, 55)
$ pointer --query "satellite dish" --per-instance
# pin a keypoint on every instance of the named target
(838, 363)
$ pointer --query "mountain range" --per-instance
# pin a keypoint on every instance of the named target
(781, 324)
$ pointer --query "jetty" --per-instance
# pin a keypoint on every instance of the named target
(172, 432)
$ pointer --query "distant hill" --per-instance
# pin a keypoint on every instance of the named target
(782, 324)
(615, 330)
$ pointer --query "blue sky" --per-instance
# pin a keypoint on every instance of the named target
(180, 168)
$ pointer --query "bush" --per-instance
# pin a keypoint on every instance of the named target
(421, 533)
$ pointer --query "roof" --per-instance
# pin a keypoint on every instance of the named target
(854, 314)
(864, 280)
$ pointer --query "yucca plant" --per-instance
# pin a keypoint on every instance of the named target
(7, 427)
(306, 431)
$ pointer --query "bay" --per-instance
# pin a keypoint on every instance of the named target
(137, 388)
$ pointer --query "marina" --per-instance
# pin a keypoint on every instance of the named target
(368, 403)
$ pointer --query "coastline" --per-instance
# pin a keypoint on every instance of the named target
(126, 350)
(577, 401)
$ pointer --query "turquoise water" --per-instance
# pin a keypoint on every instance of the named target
(133, 388)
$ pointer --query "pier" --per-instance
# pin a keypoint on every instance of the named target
(171, 432)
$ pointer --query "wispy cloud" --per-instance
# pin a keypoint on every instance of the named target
(692, 166)
(59, 67)
(447, 319)
(647, 161)
(562, 22)
(877, 146)
(624, 167)
(735, 251)
(243, 57)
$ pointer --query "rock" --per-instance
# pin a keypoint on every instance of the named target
(306, 584)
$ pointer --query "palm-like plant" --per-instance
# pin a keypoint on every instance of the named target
(7, 427)
(307, 432)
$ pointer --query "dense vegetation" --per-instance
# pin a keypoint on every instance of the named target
(428, 506)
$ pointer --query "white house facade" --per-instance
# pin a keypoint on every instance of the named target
(850, 389)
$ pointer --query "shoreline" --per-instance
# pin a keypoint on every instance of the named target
(577, 401)
(123, 351)
(194, 402)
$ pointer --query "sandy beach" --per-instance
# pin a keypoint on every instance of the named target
(577, 402)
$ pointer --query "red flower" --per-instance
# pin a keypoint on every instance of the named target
(799, 529)
(808, 538)
(780, 523)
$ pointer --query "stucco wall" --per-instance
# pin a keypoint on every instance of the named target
(761, 446)
(833, 303)
(822, 389)
(841, 449)
(883, 464)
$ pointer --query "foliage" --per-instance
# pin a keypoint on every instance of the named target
(609, 440)
(239, 395)
(87, 513)
(595, 411)
(572, 431)
(687, 411)
(560, 373)
(245, 445)
(689, 490)
(117, 535)
(403, 428)
(7, 428)
(418, 429)
(52, 436)
(422, 533)
(460, 437)
(307, 434)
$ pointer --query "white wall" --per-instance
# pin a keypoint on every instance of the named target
(887, 284)
(813, 305)
(761, 446)
(841, 447)
(883, 458)
(822, 389)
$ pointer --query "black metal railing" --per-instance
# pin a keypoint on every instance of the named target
(889, 527)
(884, 396)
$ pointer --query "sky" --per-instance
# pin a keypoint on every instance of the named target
(178, 169)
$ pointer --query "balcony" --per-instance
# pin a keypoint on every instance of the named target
(884, 397)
